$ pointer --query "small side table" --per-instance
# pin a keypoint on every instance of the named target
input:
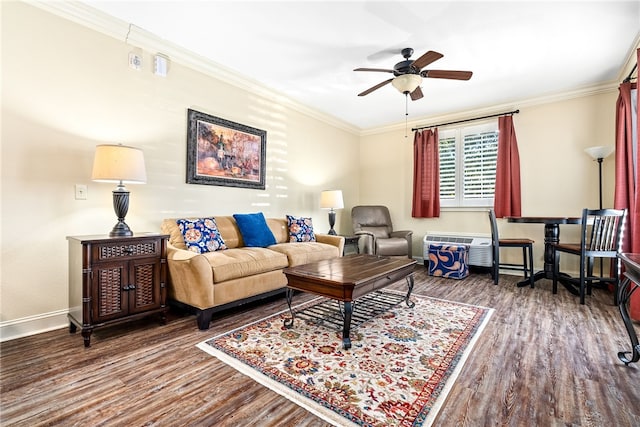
(628, 285)
(351, 240)
(116, 279)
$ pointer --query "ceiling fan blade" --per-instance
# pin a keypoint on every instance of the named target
(383, 70)
(378, 86)
(416, 94)
(447, 74)
(426, 59)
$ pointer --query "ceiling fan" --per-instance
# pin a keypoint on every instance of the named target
(408, 74)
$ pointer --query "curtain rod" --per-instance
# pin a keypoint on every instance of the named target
(466, 120)
(628, 79)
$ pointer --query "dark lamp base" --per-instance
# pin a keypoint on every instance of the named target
(332, 222)
(121, 206)
(121, 230)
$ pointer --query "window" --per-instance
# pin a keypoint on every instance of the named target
(468, 157)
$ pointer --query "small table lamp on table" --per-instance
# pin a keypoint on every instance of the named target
(121, 164)
(331, 199)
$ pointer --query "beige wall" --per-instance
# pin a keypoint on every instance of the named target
(557, 176)
(66, 88)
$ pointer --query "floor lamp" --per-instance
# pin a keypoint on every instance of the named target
(599, 153)
(331, 199)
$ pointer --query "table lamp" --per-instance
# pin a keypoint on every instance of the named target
(121, 164)
(331, 199)
(600, 153)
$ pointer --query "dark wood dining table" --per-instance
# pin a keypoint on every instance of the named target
(551, 236)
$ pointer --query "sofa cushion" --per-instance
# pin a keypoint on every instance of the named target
(254, 230)
(201, 235)
(243, 262)
(279, 228)
(299, 253)
(300, 229)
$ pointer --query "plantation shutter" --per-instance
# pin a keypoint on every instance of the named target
(447, 149)
(480, 158)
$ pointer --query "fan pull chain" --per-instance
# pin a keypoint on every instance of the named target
(406, 114)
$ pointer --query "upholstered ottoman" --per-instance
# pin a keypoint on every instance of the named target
(447, 260)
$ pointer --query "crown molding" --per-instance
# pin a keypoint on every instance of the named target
(84, 15)
(496, 109)
(130, 34)
(631, 60)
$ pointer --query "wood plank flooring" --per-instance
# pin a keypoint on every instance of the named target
(542, 360)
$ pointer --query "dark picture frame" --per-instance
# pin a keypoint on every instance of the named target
(225, 153)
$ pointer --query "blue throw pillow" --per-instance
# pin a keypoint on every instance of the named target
(201, 235)
(300, 229)
(254, 230)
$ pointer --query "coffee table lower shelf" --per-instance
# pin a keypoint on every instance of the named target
(331, 313)
(337, 315)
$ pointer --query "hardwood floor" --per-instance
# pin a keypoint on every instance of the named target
(542, 360)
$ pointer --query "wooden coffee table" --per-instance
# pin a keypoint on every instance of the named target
(347, 278)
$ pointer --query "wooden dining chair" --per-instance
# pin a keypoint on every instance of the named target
(601, 237)
(527, 252)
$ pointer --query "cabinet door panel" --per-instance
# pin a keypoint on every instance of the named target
(145, 276)
(109, 298)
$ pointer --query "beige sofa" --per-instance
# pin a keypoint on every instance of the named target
(212, 281)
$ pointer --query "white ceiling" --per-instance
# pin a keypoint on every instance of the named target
(307, 50)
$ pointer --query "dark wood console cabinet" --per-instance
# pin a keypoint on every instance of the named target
(115, 279)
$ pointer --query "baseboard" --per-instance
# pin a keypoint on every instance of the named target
(32, 325)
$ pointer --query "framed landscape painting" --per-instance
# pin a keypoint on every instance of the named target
(222, 152)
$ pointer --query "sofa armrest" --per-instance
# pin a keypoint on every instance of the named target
(337, 241)
(190, 278)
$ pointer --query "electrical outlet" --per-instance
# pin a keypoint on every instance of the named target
(81, 192)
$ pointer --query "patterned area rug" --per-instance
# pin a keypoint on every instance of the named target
(401, 366)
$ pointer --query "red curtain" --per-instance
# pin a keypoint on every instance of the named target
(426, 175)
(507, 199)
(626, 191)
(626, 194)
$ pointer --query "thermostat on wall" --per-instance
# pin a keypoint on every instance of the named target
(135, 61)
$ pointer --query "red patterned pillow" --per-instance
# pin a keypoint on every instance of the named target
(300, 229)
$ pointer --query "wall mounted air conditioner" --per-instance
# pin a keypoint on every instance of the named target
(480, 248)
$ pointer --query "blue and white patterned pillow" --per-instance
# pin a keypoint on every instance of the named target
(300, 229)
(201, 235)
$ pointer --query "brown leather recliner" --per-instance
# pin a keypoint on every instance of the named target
(373, 225)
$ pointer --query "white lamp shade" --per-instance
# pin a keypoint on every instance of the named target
(331, 199)
(407, 83)
(600, 152)
(115, 163)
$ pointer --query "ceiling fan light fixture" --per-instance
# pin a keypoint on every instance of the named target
(407, 83)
